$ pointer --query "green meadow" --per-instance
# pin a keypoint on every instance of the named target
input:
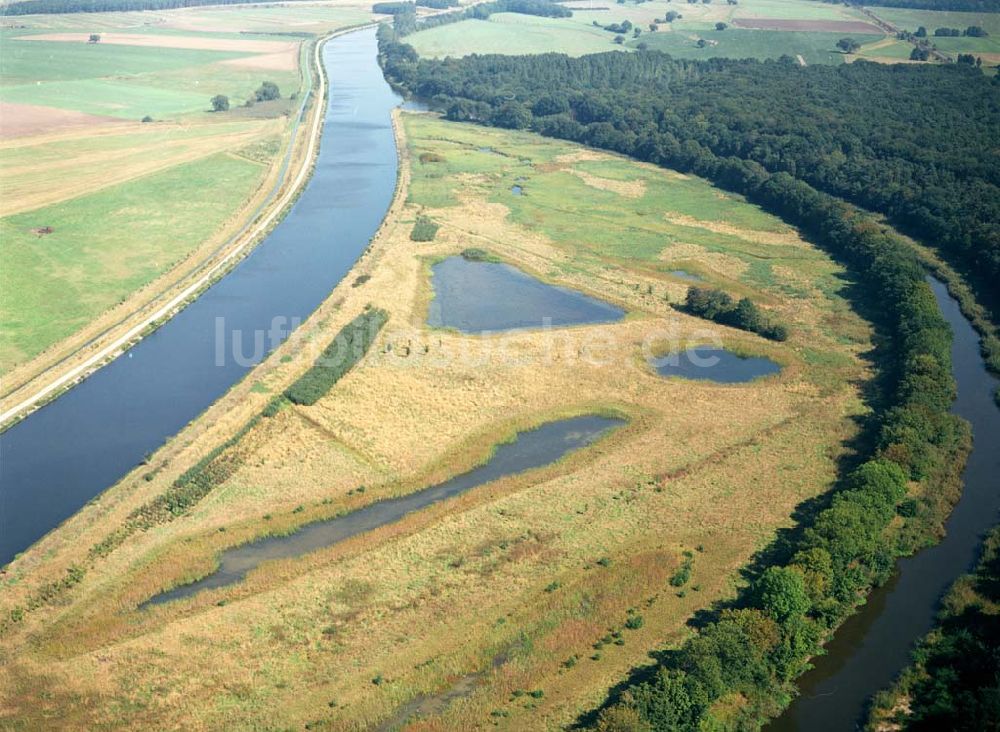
(624, 212)
(106, 245)
(29, 62)
(126, 81)
(910, 20)
(814, 47)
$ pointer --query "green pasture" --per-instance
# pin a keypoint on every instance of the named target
(28, 62)
(106, 245)
(912, 19)
(955, 46)
(513, 34)
(815, 48)
(596, 224)
(109, 97)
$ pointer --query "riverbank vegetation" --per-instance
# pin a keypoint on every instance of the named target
(953, 682)
(733, 672)
(521, 601)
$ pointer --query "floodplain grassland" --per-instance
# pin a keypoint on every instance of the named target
(518, 604)
(512, 33)
(102, 143)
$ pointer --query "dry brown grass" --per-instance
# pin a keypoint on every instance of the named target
(22, 120)
(45, 173)
(491, 592)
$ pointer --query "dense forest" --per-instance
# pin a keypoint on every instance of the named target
(788, 138)
(954, 683)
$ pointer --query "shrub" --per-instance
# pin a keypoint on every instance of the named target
(347, 348)
(268, 91)
(424, 229)
(634, 622)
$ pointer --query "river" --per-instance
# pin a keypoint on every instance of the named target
(74, 448)
(872, 647)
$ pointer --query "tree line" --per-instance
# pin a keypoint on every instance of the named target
(749, 127)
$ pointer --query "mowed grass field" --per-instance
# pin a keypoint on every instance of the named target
(75, 156)
(508, 607)
(813, 47)
(107, 244)
(511, 33)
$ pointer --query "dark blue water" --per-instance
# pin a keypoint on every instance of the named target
(871, 648)
(708, 363)
(533, 449)
(66, 453)
(487, 296)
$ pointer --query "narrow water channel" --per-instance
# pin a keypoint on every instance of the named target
(872, 647)
(529, 450)
(71, 450)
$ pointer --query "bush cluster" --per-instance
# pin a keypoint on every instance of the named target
(718, 306)
(348, 347)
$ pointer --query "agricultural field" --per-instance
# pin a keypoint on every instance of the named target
(102, 141)
(987, 48)
(522, 602)
(756, 29)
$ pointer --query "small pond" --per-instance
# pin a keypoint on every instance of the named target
(708, 363)
(473, 296)
(685, 275)
(516, 190)
(533, 449)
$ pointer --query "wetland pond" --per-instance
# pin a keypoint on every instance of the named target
(474, 296)
(683, 274)
(708, 363)
(529, 450)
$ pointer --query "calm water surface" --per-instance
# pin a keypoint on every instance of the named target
(872, 647)
(488, 296)
(530, 450)
(66, 453)
(708, 363)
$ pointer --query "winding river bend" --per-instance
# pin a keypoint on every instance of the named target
(69, 451)
(872, 647)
